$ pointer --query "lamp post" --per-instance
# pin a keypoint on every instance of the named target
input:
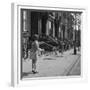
(75, 50)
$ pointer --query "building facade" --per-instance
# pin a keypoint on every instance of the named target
(61, 24)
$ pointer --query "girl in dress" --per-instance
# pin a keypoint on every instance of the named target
(34, 52)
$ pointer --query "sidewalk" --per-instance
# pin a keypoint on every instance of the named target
(52, 65)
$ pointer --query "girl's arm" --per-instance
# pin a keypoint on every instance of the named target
(38, 48)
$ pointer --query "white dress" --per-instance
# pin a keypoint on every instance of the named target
(34, 50)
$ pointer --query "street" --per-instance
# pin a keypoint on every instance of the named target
(54, 65)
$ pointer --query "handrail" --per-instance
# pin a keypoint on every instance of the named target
(48, 44)
(52, 39)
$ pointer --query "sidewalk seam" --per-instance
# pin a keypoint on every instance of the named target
(68, 70)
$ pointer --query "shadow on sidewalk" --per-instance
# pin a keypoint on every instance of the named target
(54, 57)
(49, 59)
(26, 73)
(75, 54)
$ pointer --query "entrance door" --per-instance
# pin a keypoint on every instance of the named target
(63, 31)
(34, 23)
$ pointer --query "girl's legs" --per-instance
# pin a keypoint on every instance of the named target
(34, 65)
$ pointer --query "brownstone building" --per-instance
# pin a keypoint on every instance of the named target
(64, 25)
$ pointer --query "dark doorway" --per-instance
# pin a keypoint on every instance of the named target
(43, 25)
(63, 29)
(34, 23)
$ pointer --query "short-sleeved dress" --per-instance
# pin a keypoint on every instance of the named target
(34, 50)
